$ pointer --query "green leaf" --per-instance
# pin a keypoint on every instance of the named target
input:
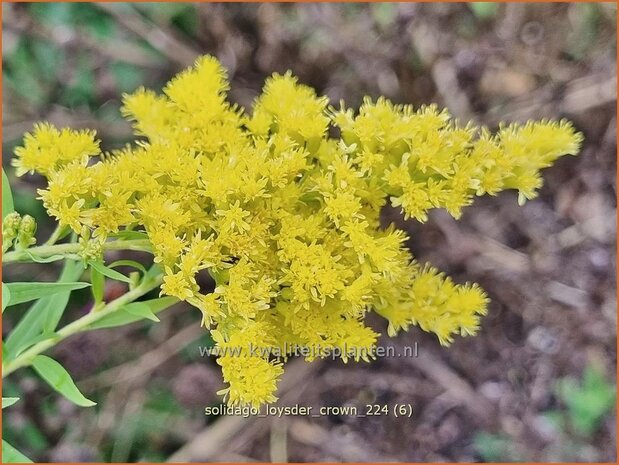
(51, 258)
(124, 315)
(12, 455)
(60, 380)
(104, 270)
(141, 310)
(6, 296)
(98, 284)
(36, 340)
(43, 316)
(7, 196)
(25, 292)
(8, 401)
(132, 263)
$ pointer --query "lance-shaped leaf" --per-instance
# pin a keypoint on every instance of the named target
(25, 292)
(135, 311)
(43, 316)
(60, 380)
(8, 401)
(7, 196)
(12, 455)
(110, 273)
(6, 296)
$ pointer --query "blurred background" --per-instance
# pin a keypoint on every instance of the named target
(536, 384)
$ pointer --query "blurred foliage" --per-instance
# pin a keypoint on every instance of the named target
(136, 433)
(485, 10)
(588, 403)
(33, 66)
(494, 447)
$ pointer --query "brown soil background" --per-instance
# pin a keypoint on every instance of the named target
(549, 267)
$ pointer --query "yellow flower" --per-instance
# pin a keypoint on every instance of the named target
(252, 380)
(233, 218)
(283, 216)
(176, 284)
(47, 149)
(68, 214)
(290, 108)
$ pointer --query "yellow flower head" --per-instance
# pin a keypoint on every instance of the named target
(283, 216)
(47, 149)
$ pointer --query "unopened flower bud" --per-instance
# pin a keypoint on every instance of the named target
(91, 249)
(10, 228)
(25, 234)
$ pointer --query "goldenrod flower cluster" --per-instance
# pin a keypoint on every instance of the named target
(284, 216)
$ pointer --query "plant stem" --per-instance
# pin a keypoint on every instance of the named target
(55, 235)
(26, 357)
(45, 251)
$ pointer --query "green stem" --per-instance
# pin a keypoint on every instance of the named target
(45, 251)
(26, 357)
(55, 235)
